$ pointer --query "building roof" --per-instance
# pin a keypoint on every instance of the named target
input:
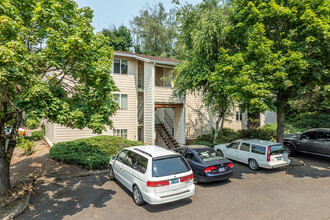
(147, 58)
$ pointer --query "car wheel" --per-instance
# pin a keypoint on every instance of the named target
(220, 152)
(137, 197)
(253, 164)
(289, 147)
(196, 179)
(111, 173)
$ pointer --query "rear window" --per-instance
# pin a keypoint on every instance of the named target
(209, 155)
(258, 149)
(169, 166)
(277, 149)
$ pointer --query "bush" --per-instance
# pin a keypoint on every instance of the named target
(26, 144)
(309, 120)
(37, 135)
(254, 134)
(270, 129)
(90, 153)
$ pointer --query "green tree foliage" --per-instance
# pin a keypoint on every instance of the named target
(52, 66)
(282, 48)
(119, 38)
(201, 35)
(155, 31)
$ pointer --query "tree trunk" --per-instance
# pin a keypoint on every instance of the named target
(222, 122)
(217, 128)
(280, 124)
(4, 176)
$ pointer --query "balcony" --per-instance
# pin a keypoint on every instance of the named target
(164, 95)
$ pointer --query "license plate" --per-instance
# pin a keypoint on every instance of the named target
(174, 181)
(221, 169)
(279, 158)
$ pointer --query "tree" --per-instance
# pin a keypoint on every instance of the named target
(282, 47)
(155, 31)
(119, 38)
(52, 66)
(201, 36)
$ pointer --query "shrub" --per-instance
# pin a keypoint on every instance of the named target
(26, 144)
(90, 153)
(255, 134)
(305, 121)
(37, 135)
(269, 129)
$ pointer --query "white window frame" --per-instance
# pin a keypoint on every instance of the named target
(113, 66)
(119, 100)
(121, 131)
(240, 116)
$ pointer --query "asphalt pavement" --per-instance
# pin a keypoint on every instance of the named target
(294, 192)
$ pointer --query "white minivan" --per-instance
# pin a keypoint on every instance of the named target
(155, 175)
(255, 153)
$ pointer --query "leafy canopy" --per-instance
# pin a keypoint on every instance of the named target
(119, 38)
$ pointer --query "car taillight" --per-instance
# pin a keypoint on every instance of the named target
(186, 178)
(230, 165)
(286, 150)
(158, 183)
(268, 153)
(209, 169)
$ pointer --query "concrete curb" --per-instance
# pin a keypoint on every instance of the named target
(52, 179)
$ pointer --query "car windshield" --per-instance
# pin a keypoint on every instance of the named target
(169, 166)
(209, 155)
(277, 149)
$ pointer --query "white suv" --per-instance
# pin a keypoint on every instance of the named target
(155, 175)
(255, 153)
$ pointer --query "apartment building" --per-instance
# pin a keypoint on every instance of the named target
(148, 111)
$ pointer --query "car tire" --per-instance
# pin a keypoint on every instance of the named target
(253, 164)
(111, 173)
(220, 152)
(196, 179)
(290, 149)
(137, 197)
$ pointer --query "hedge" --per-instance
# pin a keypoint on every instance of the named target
(90, 153)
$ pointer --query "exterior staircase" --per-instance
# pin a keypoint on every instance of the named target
(166, 136)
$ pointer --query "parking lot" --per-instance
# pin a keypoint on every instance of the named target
(294, 192)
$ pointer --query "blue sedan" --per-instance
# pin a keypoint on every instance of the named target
(207, 164)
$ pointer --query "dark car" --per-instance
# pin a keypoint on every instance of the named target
(313, 141)
(207, 164)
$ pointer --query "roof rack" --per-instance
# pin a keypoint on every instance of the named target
(137, 149)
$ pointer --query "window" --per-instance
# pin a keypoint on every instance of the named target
(309, 135)
(120, 133)
(121, 156)
(169, 166)
(209, 155)
(323, 136)
(120, 66)
(190, 156)
(277, 149)
(233, 145)
(245, 147)
(137, 162)
(122, 100)
(239, 116)
(258, 149)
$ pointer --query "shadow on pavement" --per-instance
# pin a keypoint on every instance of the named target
(214, 184)
(157, 208)
(65, 198)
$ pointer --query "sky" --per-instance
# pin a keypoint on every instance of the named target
(117, 12)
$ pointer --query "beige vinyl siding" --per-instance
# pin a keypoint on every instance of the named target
(149, 104)
(179, 126)
(127, 119)
(199, 118)
(50, 133)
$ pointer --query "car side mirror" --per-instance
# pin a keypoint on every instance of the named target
(303, 137)
(113, 157)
